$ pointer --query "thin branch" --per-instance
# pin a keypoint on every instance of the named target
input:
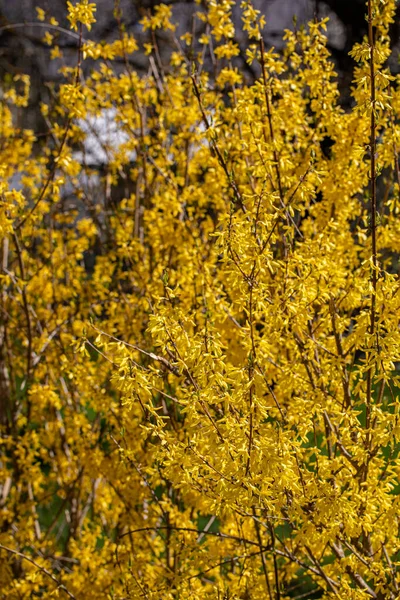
(372, 208)
(60, 585)
(216, 149)
(42, 25)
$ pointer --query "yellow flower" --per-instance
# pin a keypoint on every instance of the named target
(41, 15)
(48, 38)
(82, 12)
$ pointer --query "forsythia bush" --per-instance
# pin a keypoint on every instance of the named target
(199, 336)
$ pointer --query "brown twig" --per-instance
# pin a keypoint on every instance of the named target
(263, 561)
(216, 149)
(272, 133)
(372, 210)
(60, 585)
(52, 173)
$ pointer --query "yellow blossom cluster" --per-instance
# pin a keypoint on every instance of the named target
(199, 331)
(81, 12)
